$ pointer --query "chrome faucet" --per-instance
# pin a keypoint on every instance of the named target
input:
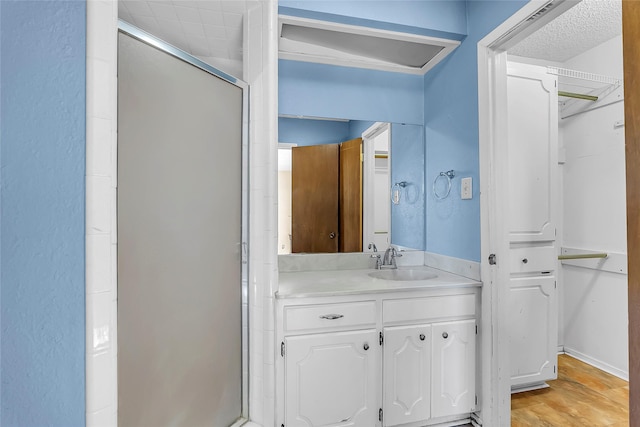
(389, 260)
(375, 255)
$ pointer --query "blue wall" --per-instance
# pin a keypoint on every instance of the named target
(318, 90)
(407, 164)
(42, 117)
(451, 131)
(312, 132)
(316, 132)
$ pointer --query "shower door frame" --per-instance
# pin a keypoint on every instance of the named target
(163, 46)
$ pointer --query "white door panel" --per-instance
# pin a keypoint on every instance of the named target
(453, 365)
(533, 153)
(407, 374)
(332, 379)
(533, 329)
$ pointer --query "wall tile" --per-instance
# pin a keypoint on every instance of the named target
(104, 418)
(101, 388)
(99, 149)
(100, 100)
(99, 213)
(98, 263)
(99, 323)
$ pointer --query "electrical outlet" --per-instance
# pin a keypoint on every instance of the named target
(466, 188)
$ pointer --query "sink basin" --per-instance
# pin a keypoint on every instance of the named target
(402, 275)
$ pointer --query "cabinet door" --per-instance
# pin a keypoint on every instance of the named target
(332, 379)
(533, 323)
(453, 366)
(406, 374)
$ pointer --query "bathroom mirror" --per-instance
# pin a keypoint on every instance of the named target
(331, 198)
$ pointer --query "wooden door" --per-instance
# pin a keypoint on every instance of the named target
(314, 199)
(453, 364)
(533, 199)
(406, 374)
(351, 196)
(631, 54)
(332, 379)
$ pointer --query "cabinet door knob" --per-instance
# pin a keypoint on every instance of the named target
(445, 335)
(332, 235)
(422, 337)
(524, 261)
(366, 346)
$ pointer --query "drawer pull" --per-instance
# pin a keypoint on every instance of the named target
(422, 337)
(524, 261)
(445, 335)
(331, 316)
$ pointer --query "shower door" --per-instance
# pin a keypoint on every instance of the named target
(180, 220)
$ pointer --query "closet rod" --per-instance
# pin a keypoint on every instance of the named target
(583, 256)
(577, 96)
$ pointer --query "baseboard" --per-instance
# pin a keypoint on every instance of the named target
(597, 363)
(461, 267)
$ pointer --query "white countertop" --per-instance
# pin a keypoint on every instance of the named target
(323, 283)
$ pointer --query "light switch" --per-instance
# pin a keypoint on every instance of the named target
(466, 189)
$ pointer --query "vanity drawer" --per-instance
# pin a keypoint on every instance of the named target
(329, 316)
(533, 259)
(426, 309)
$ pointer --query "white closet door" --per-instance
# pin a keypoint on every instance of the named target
(533, 205)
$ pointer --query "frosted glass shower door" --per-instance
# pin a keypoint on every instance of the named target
(179, 242)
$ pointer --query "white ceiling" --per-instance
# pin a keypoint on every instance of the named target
(584, 26)
(208, 29)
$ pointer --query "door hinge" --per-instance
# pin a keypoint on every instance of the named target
(555, 284)
(554, 369)
(380, 414)
(282, 349)
(476, 329)
(476, 399)
(381, 338)
(492, 259)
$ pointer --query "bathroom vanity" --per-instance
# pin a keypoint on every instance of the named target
(357, 350)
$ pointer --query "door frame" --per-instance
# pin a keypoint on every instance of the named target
(495, 407)
(369, 170)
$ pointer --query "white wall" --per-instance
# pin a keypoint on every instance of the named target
(261, 72)
(594, 304)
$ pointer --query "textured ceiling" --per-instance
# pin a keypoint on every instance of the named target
(584, 26)
(208, 29)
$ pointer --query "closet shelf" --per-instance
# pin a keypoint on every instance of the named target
(585, 91)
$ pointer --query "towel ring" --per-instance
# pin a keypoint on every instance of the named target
(448, 175)
(396, 190)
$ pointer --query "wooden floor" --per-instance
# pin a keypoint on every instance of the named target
(581, 396)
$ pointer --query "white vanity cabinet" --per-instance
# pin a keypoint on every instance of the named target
(381, 359)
